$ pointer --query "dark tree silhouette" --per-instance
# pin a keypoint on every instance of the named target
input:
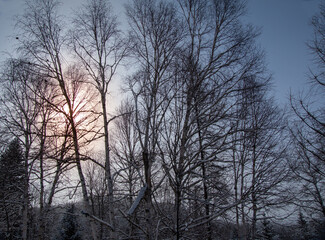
(42, 39)
(11, 190)
(308, 129)
(69, 226)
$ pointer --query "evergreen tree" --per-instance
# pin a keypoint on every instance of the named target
(11, 190)
(267, 230)
(12, 167)
(235, 234)
(69, 226)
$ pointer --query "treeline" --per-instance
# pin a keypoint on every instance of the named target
(196, 149)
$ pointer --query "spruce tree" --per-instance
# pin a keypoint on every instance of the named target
(267, 230)
(12, 167)
(11, 190)
(69, 226)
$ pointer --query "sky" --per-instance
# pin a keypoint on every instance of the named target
(285, 31)
(285, 26)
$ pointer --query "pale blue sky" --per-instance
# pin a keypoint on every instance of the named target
(285, 31)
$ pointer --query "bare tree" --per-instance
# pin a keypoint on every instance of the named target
(155, 35)
(98, 43)
(19, 114)
(42, 40)
(218, 52)
(127, 162)
(308, 129)
(259, 168)
(97, 187)
(25, 96)
(198, 140)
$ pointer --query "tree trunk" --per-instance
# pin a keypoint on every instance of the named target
(235, 172)
(254, 204)
(178, 206)
(108, 167)
(204, 177)
(243, 215)
(41, 210)
(147, 195)
(86, 203)
(26, 188)
(42, 226)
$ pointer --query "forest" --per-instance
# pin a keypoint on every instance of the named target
(193, 147)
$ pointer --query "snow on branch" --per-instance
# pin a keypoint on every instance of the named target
(137, 200)
(98, 220)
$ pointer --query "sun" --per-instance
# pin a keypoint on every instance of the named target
(79, 104)
(79, 109)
